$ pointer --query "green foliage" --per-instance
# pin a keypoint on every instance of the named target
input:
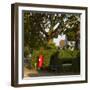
(51, 46)
(68, 54)
(46, 53)
(71, 35)
(26, 51)
(63, 54)
(36, 37)
(35, 24)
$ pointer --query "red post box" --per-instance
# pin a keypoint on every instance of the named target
(40, 61)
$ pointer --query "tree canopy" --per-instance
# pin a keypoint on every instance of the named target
(40, 27)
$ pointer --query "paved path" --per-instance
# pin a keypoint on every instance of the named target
(35, 73)
(28, 72)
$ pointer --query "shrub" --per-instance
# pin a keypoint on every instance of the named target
(26, 51)
(63, 55)
(68, 54)
(46, 53)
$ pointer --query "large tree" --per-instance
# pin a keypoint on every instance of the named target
(40, 27)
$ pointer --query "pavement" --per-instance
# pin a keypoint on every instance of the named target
(36, 73)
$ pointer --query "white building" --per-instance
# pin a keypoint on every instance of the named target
(63, 38)
(60, 38)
